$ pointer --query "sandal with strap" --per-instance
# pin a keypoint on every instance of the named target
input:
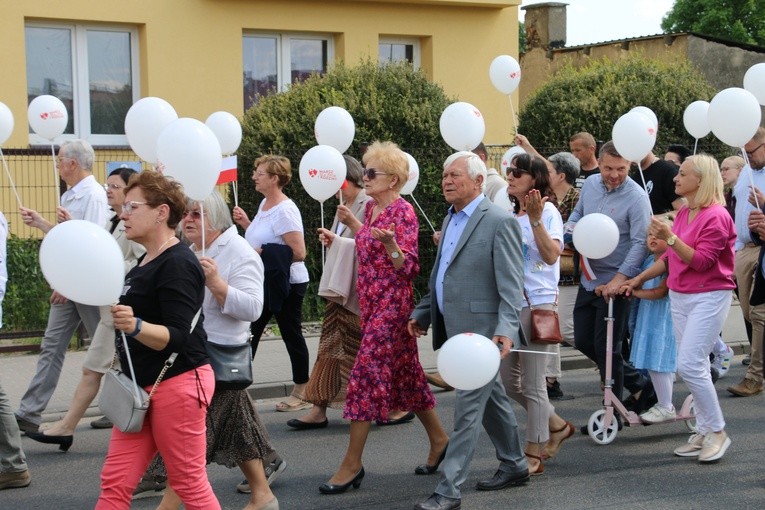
(552, 447)
(540, 468)
(285, 406)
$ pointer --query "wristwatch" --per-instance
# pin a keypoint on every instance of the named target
(138, 323)
(394, 255)
(671, 240)
(536, 223)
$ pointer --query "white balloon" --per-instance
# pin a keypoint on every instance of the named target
(462, 126)
(188, 151)
(695, 119)
(754, 81)
(83, 262)
(502, 199)
(734, 116)
(648, 113)
(508, 157)
(505, 74)
(6, 123)
(634, 136)
(414, 175)
(47, 116)
(595, 236)
(468, 361)
(322, 171)
(144, 121)
(335, 127)
(227, 130)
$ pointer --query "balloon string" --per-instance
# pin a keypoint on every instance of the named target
(512, 111)
(13, 185)
(55, 175)
(536, 352)
(202, 213)
(642, 178)
(236, 192)
(423, 213)
(751, 176)
(695, 146)
(323, 248)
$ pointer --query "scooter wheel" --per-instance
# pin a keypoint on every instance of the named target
(598, 431)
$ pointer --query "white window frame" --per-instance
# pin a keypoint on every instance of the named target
(283, 47)
(416, 61)
(81, 86)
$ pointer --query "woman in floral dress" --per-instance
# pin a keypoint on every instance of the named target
(387, 374)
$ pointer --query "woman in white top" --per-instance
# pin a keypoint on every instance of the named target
(523, 374)
(278, 222)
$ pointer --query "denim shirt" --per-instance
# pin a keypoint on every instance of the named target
(628, 206)
(743, 207)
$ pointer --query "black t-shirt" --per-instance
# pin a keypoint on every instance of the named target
(169, 290)
(659, 184)
(584, 174)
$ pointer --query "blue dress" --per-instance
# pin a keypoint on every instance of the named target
(653, 342)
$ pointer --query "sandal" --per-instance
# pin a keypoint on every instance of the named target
(292, 404)
(552, 447)
(540, 468)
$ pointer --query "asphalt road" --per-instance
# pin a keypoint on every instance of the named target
(636, 471)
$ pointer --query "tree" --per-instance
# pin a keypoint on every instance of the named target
(593, 97)
(736, 20)
(521, 37)
(392, 102)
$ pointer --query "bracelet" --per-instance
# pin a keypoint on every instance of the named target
(137, 329)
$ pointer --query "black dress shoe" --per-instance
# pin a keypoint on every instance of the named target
(332, 488)
(502, 480)
(404, 419)
(63, 442)
(427, 469)
(439, 502)
(304, 425)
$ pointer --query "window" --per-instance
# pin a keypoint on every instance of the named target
(274, 61)
(396, 50)
(93, 70)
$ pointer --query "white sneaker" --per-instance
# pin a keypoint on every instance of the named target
(692, 448)
(714, 446)
(658, 414)
(722, 361)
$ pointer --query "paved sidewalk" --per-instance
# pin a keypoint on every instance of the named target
(272, 373)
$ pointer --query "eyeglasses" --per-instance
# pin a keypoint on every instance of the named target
(749, 153)
(371, 173)
(516, 172)
(129, 207)
(115, 187)
(195, 215)
(59, 159)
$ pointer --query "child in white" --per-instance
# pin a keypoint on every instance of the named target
(653, 343)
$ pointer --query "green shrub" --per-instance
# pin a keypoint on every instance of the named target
(593, 97)
(392, 102)
(25, 307)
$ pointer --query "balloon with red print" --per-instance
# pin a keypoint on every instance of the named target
(505, 74)
(322, 171)
(634, 135)
(47, 116)
(462, 126)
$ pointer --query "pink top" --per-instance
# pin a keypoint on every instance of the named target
(712, 235)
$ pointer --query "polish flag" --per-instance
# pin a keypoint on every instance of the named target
(227, 170)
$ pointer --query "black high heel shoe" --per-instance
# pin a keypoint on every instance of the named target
(63, 442)
(332, 488)
(427, 469)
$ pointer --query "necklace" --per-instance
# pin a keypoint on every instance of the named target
(159, 250)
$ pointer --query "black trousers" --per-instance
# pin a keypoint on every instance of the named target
(289, 320)
(590, 312)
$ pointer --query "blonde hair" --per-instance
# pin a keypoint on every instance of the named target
(710, 181)
(392, 161)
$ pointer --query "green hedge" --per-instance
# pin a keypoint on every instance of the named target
(25, 307)
(392, 102)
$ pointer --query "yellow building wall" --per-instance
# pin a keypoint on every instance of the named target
(190, 51)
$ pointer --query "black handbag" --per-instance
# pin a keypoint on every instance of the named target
(232, 365)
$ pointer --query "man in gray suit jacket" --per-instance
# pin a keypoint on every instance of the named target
(476, 286)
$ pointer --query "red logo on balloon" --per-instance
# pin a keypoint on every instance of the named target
(515, 74)
(651, 131)
(476, 113)
(44, 115)
(312, 172)
(56, 114)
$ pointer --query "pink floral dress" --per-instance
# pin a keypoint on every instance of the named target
(387, 373)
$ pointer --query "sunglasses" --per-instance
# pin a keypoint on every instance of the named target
(371, 173)
(517, 172)
(195, 215)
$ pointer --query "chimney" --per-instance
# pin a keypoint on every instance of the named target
(545, 25)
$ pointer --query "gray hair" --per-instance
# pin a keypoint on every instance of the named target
(353, 171)
(217, 215)
(475, 166)
(79, 150)
(566, 163)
